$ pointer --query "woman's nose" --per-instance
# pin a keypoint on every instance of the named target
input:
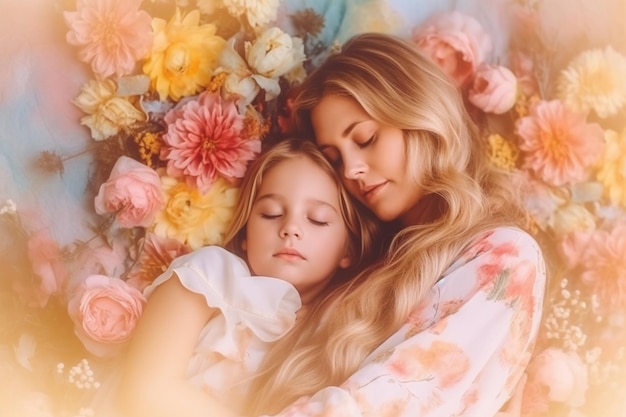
(354, 168)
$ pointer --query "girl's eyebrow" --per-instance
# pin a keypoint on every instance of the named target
(276, 196)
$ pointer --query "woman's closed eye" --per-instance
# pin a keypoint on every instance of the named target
(367, 142)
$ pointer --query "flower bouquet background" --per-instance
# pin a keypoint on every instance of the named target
(173, 99)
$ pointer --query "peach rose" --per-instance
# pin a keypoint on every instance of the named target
(456, 42)
(494, 89)
(563, 373)
(132, 192)
(105, 311)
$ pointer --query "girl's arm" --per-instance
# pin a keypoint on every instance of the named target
(154, 383)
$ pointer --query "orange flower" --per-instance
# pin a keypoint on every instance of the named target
(558, 144)
(184, 55)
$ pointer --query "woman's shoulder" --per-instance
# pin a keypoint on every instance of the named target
(504, 236)
(500, 245)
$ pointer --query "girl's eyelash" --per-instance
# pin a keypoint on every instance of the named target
(270, 216)
(318, 223)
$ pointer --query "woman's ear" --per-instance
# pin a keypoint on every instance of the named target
(244, 244)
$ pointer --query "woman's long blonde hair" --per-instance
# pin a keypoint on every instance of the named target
(464, 195)
(362, 226)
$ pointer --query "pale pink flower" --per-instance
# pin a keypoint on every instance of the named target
(155, 256)
(558, 144)
(494, 89)
(113, 34)
(107, 257)
(105, 311)
(204, 141)
(540, 200)
(523, 67)
(48, 267)
(604, 264)
(572, 247)
(563, 373)
(132, 192)
(456, 42)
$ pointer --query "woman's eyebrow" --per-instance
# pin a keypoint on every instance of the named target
(344, 134)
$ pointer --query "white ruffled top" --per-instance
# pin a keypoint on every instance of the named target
(256, 311)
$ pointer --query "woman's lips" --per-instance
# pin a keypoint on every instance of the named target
(371, 191)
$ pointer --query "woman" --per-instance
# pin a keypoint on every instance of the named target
(444, 325)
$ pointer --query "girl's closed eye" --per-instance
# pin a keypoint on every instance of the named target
(270, 215)
(318, 222)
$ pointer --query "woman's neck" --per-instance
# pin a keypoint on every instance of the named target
(428, 209)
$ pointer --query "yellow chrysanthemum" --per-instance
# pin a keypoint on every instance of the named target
(183, 56)
(612, 172)
(258, 12)
(594, 80)
(193, 218)
(502, 152)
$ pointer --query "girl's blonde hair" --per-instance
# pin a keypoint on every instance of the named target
(464, 195)
(361, 225)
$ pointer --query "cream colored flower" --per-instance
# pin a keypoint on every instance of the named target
(612, 172)
(193, 218)
(273, 54)
(258, 12)
(107, 113)
(183, 56)
(239, 83)
(573, 218)
(594, 80)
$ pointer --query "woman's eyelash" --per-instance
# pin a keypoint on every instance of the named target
(367, 142)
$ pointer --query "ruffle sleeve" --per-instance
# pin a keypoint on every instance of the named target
(266, 306)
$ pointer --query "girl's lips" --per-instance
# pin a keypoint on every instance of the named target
(289, 254)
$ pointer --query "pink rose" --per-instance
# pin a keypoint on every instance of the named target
(105, 311)
(563, 373)
(494, 89)
(456, 42)
(132, 192)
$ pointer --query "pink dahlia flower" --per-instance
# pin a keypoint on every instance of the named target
(558, 144)
(204, 141)
(113, 34)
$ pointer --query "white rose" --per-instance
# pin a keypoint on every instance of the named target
(239, 83)
(274, 53)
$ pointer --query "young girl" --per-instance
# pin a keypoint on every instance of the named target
(300, 236)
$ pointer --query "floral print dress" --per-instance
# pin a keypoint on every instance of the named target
(470, 337)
